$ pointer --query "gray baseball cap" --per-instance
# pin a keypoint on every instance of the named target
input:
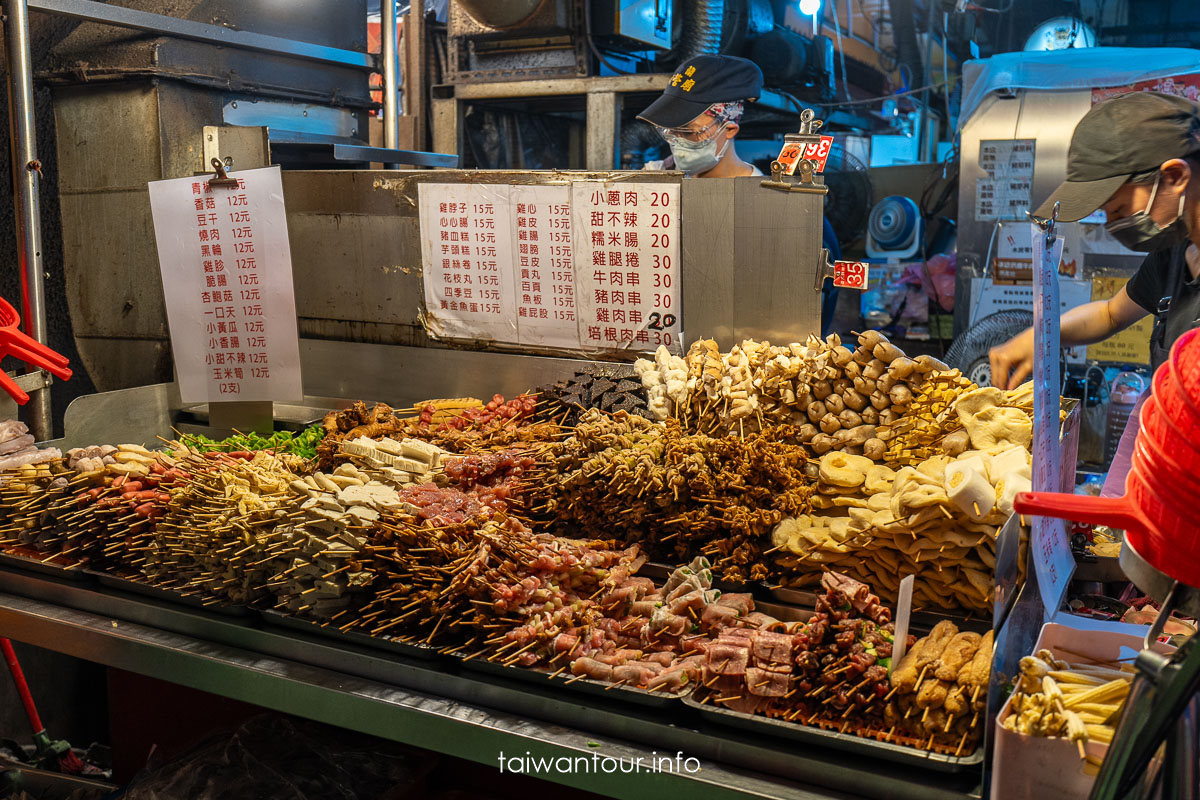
(1118, 138)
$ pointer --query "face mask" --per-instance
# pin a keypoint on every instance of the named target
(695, 158)
(1142, 234)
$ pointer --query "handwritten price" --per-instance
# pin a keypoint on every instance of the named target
(850, 274)
(817, 152)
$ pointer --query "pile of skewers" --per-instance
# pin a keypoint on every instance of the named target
(677, 494)
(833, 672)
(404, 539)
(1080, 702)
(606, 387)
(938, 520)
(839, 397)
(939, 689)
(221, 527)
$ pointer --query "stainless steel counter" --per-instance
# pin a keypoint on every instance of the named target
(431, 705)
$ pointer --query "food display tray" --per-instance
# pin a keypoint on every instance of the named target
(133, 586)
(1099, 569)
(71, 570)
(628, 694)
(282, 620)
(921, 620)
(845, 742)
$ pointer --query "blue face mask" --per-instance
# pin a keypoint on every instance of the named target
(696, 158)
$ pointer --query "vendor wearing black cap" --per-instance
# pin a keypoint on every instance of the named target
(699, 115)
(1137, 156)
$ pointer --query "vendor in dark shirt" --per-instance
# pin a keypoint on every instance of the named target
(1136, 156)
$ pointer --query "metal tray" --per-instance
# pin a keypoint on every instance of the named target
(628, 694)
(1099, 569)
(33, 563)
(273, 617)
(845, 742)
(133, 586)
(921, 620)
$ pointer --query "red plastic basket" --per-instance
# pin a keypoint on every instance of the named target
(1174, 405)
(1159, 512)
(1185, 366)
(1158, 433)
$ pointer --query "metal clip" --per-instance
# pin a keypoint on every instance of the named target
(809, 124)
(1047, 225)
(806, 168)
(824, 270)
(222, 177)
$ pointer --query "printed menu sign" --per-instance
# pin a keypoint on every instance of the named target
(1004, 193)
(468, 256)
(586, 266)
(627, 264)
(545, 271)
(227, 280)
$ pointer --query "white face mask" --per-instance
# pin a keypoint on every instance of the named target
(696, 158)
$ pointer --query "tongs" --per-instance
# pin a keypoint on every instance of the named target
(13, 342)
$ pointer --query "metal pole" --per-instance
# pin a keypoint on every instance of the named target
(391, 77)
(26, 167)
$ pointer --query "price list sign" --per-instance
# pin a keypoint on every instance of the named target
(545, 272)
(227, 281)
(626, 251)
(1005, 190)
(1051, 546)
(467, 251)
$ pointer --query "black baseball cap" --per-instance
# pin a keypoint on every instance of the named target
(1117, 139)
(700, 82)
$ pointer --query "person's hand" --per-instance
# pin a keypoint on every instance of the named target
(1012, 362)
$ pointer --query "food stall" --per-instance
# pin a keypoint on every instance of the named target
(545, 470)
(788, 486)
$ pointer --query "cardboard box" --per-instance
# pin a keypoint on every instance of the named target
(1049, 768)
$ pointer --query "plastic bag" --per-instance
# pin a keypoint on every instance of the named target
(282, 759)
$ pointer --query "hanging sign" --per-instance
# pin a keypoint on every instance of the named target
(1051, 547)
(227, 280)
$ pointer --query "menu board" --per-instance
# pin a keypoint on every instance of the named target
(1004, 192)
(467, 252)
(227, 281)
(545, 271)
(627, 264)
(586, 266)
